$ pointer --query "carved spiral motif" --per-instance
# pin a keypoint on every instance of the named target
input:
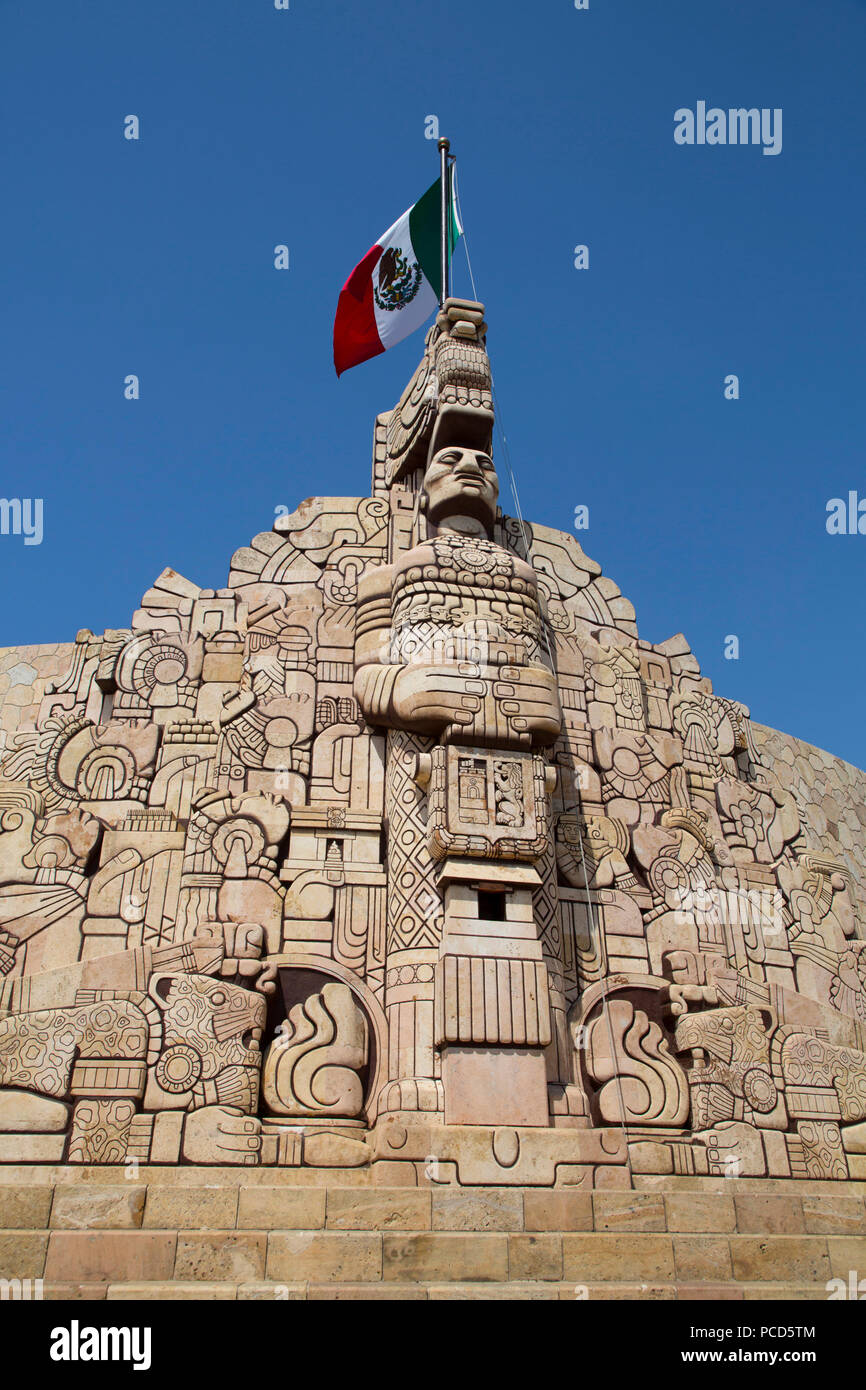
(178, 1069)
(241, 836)
(759, 1090)
(670, 881)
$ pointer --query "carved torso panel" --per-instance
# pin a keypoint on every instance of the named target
(466, 600)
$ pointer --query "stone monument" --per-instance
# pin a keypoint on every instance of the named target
(404, 856)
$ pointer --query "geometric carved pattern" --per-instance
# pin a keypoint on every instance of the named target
(414, 903)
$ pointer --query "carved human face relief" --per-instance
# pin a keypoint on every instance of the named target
(461, 483)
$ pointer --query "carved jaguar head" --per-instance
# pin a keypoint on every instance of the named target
(210, 1044)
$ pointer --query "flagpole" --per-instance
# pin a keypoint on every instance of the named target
(444, 147)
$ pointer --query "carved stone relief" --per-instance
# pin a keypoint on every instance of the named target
(551, 909)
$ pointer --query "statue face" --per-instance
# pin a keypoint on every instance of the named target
(461, 482)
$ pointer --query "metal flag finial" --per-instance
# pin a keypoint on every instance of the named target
(444, 148)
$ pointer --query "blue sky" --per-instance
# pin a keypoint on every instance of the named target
(306, 127)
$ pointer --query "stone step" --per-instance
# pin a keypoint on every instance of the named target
(208, 1239)
(98, 1203)
(299, 1257)
(525, 1291)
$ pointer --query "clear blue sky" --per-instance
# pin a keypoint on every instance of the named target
(306, 127)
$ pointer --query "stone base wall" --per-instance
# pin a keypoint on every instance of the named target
(200, 1233)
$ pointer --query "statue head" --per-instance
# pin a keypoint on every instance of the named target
(461, 483)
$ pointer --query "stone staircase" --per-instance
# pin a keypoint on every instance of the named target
(235, 1233)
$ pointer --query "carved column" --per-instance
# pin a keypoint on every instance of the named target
(414, 931)
(488, 824)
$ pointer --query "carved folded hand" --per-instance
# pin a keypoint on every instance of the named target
(486, 701)
(221, 1134)
(438, 694)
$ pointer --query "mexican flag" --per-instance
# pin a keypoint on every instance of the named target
(396, 287)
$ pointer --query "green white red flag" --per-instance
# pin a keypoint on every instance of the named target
(397, 286)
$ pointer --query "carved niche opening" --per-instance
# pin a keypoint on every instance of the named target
(492, 905)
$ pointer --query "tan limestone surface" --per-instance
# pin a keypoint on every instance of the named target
(212, 1234)
(831, 796)
(24, 673)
